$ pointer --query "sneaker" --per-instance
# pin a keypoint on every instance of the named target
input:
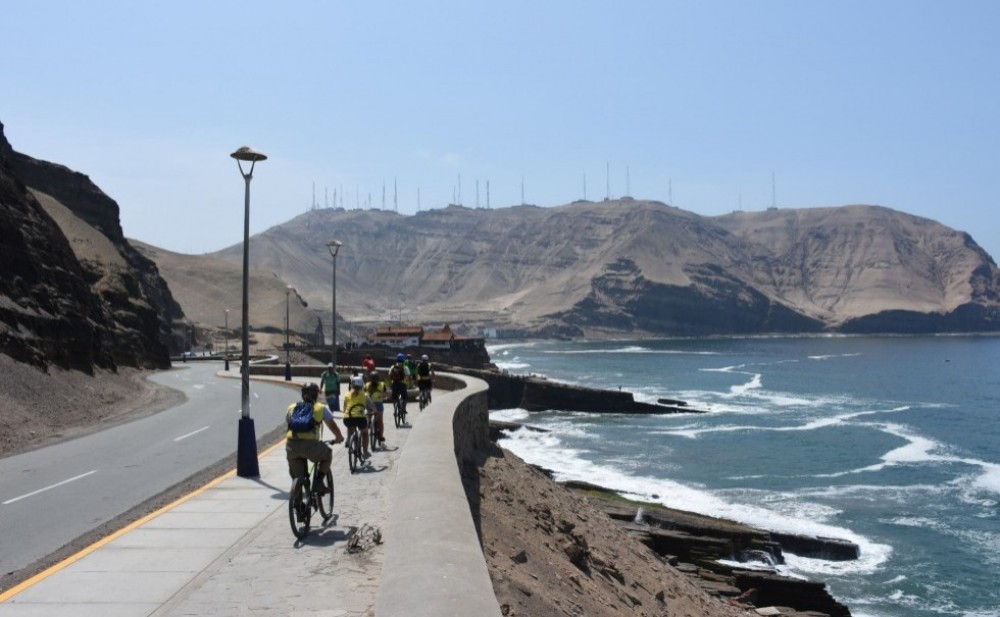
(366, 455)
(381, 443)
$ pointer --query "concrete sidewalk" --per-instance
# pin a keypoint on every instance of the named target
(228, 549)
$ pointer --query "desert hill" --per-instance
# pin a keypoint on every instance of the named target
(637, 267)
(206, 287)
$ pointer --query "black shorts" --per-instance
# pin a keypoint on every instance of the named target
(361, 423)
(424, 384)
(398, 390)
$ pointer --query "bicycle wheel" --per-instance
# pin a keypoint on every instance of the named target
(353, 451)
(398, 419)
(423, 399)
(325, 501)
(372, 436)
(299, 508)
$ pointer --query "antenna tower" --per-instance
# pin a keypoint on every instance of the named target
(607, 176)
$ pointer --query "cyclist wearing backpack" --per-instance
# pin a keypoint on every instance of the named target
(425, 376)
(304, 437)
(357, 404)
(397, 380)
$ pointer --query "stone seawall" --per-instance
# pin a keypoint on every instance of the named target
(537, 394)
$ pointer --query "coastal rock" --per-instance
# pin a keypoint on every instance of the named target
(698, 542)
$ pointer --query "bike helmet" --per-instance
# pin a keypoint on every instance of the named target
(424, 358)
(374, 376)
(357, 382)
(310, 392)
(400, 357)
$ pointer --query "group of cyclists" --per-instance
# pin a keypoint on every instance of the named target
(365, 398)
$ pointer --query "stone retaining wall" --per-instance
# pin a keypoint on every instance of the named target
(434, 564)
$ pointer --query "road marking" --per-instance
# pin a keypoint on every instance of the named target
(191, 433)
(42, 490)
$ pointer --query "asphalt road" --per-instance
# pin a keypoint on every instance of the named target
(53, 495)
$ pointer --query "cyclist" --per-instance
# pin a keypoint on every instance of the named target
(368, 363)
(409, 365)
(425, 376)
(357, 404)
(397, 381)
(376, 392)
(300, 445)
(329, 382)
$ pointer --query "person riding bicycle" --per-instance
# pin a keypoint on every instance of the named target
(303, 445)
(397, 381)
(409, 366)
(376, 392)
(368, 363)
(357, 404)
(329, 383)
(425, 376)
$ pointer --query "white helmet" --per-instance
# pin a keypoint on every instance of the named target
(357, 382)
(424, 358)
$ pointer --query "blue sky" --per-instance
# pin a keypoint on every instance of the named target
(701, 104)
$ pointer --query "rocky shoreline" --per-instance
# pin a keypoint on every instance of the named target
(705, 548)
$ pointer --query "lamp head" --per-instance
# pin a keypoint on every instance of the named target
(246, 153)
(334, 246)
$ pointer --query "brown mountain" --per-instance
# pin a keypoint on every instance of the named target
(206, 287)
(628, 266)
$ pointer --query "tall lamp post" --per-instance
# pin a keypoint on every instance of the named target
(226, 351)
(246, 452)
(288, 359)
(334, 246)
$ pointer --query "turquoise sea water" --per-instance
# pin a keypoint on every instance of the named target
(892, 443)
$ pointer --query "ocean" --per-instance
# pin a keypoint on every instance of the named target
(890, 442)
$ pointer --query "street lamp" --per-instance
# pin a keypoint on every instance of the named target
(226, 351)
(246, 453)
(288, 360)
(334, 246)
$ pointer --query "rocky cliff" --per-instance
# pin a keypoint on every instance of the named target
(73, 292)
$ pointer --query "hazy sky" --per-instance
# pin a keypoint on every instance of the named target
(699, 103)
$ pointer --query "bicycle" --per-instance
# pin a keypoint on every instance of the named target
(399, 410)
(425, 398)
(355, 451)
(372, 436)
(304, 498)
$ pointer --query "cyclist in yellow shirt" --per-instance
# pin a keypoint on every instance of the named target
(357, 404)
(308, 445)
(376, 391)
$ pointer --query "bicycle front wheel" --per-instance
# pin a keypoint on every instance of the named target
(396, 417)
(299, 509)
(326, 501)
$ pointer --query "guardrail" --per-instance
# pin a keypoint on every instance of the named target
(434, 564)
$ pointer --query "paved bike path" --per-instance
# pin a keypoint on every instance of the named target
(228, 549)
